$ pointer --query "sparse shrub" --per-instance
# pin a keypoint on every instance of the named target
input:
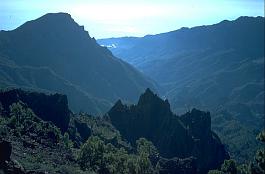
(229, 167)
(68, 143)
(91, 154)
(12, 122)
(258, 167)
(24, 121)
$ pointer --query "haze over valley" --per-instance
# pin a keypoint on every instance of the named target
(161, 100)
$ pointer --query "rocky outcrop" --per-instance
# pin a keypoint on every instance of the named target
(5, 151)
(182, 137)
(206, 142)
(8, 166)
(83, 130)
(53, 107)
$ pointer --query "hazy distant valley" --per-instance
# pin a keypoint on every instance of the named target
(186, 101)
(219, 68)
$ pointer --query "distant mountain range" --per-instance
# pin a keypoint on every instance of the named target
(219, 68)
(54, 54)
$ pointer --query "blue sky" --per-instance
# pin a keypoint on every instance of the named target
(106, 18)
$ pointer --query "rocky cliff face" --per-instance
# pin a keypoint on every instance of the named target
(52, 107)
(207, 145)
(182, 137)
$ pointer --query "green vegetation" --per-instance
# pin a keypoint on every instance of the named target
(255, 167)
(260, 155)
(239, 138)
(37, 145)
(68, 143)
(24, 121)
(41, 146)
(96, 155)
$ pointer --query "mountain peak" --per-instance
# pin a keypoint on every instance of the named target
(149, 98)
(57, 42)
(60, 14)
(57, 17)
(148, 95)
(118, 104)
(148, 92)
(52, 22)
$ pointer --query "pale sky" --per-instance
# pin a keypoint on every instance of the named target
(106, 18)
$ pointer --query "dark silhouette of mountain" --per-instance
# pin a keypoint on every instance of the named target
(37, 129)
(53, 53)
(218, 67)
(182, 137)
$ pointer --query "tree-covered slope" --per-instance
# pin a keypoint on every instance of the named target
(54, 53)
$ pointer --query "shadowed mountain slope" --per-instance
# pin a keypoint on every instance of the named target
(54, 53)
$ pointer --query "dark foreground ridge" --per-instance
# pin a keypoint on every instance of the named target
(142, 138)
(184, 136)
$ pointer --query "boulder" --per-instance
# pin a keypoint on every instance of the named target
(5, 151)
